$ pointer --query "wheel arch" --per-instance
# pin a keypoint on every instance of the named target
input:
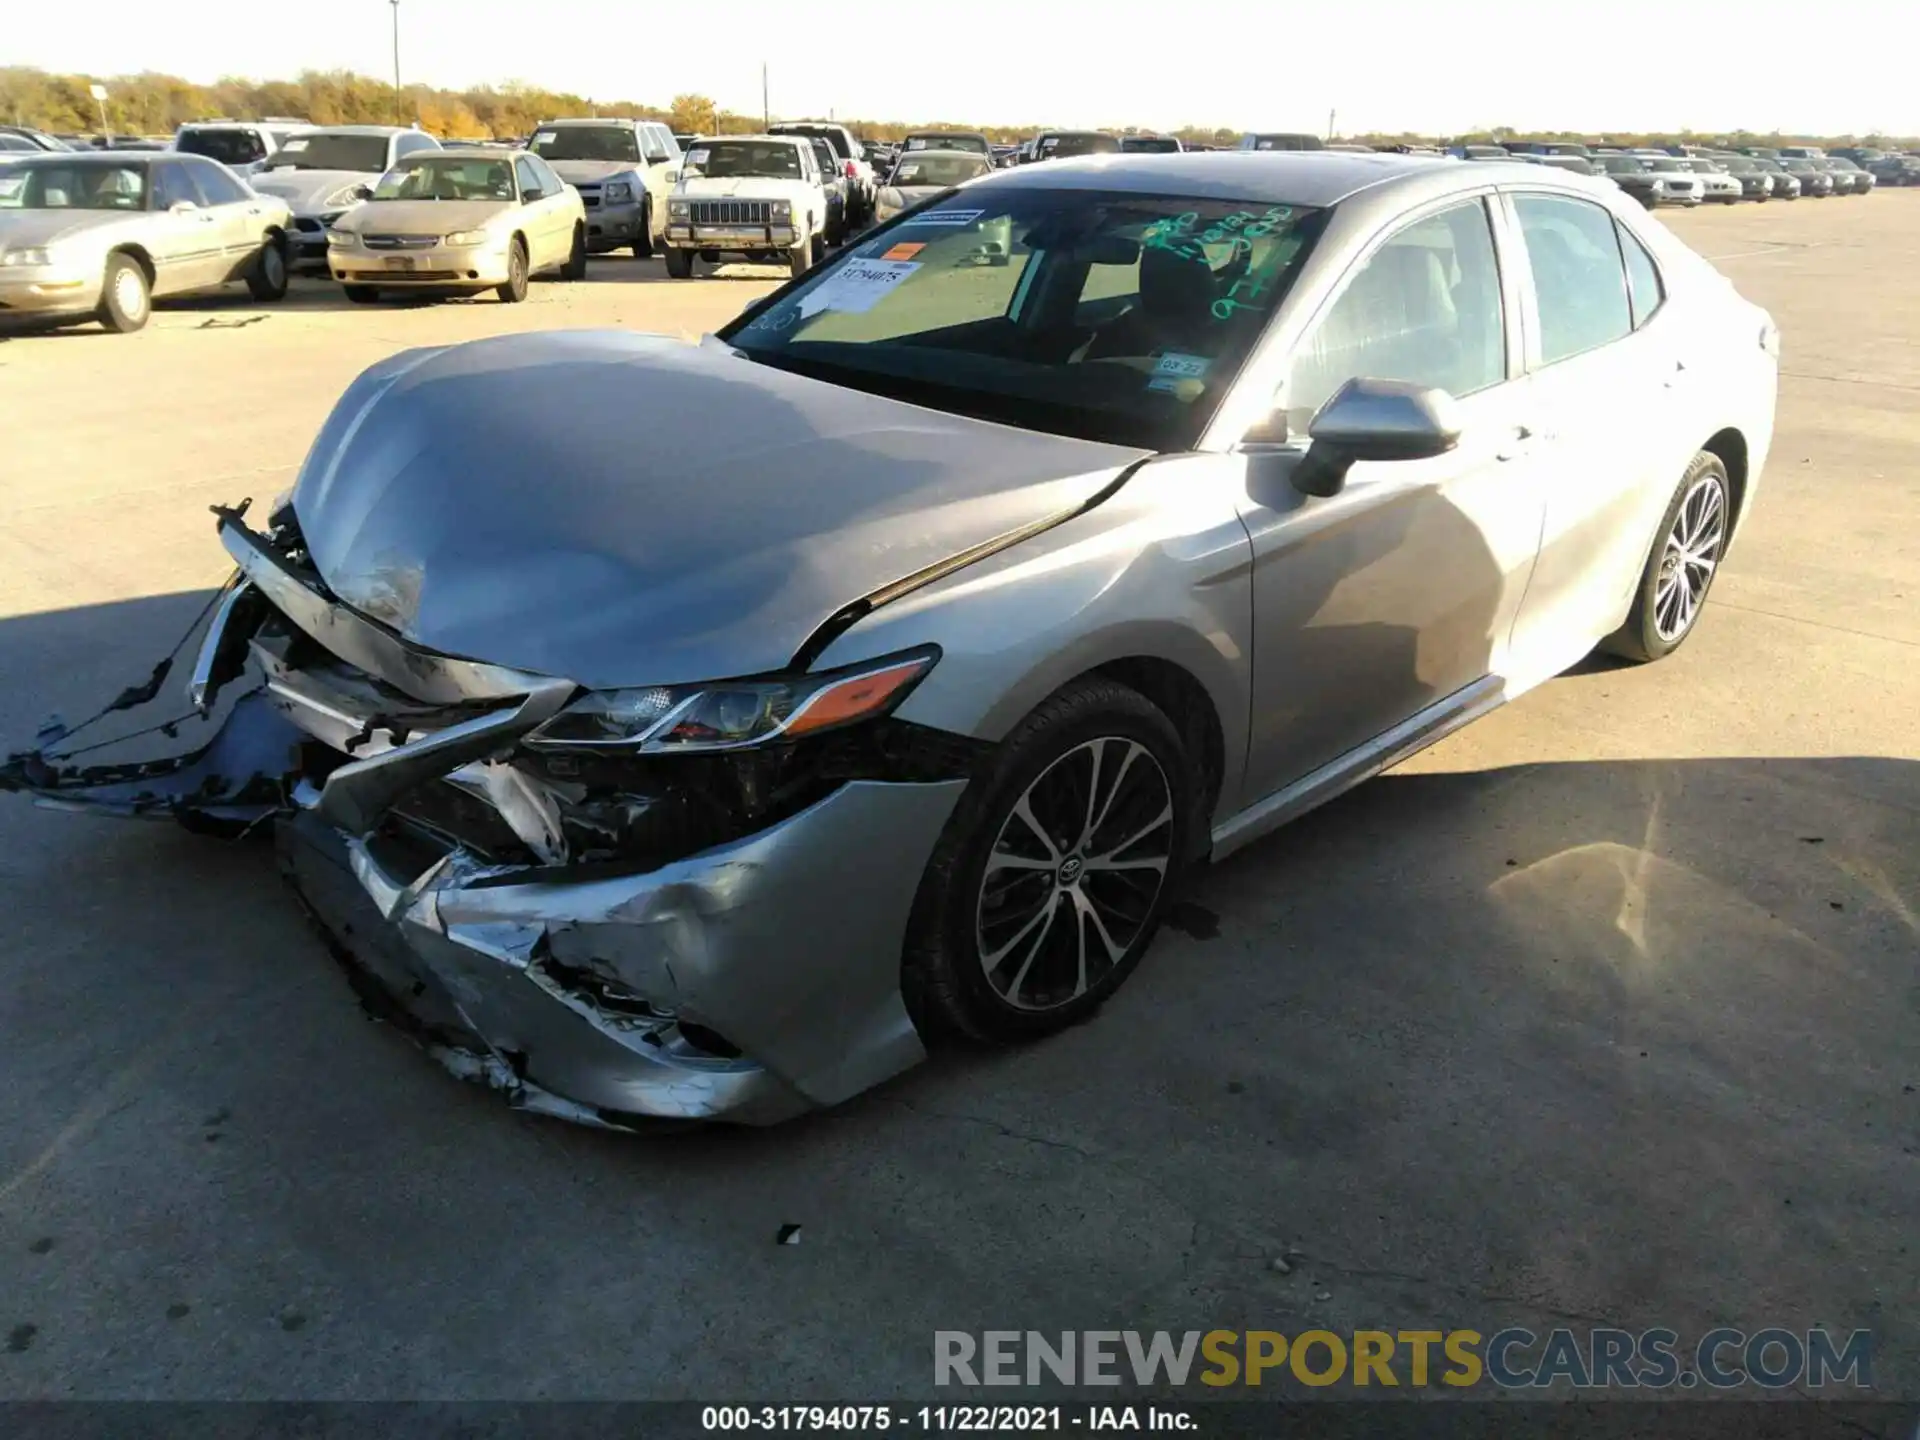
(1178, 693)
(137, 252)
(1730, 447)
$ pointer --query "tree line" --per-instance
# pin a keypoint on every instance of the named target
(156, 104)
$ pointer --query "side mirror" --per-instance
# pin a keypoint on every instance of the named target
(363, 192)
(182, 207)
(527, 197)
(1375, 420)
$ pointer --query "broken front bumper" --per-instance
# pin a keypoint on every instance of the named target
(747, 979)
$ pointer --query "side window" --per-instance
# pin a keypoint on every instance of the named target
(550, 182)
(1424, 308)
(408, 144)
(669, 147)
(171, 185)
(527, 179)
(1643, 277)
(1579, 283)
(216, 184)
(650, 147)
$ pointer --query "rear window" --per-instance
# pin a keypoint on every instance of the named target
(229, 147)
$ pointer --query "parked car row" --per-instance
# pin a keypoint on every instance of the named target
(1691, 174)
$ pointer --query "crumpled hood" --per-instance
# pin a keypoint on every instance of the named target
(624, 509)
(574, 171)
(305, 191)
(49, 227)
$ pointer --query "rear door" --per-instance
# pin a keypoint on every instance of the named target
(1608, 368)
(185, 236)
(240, 217)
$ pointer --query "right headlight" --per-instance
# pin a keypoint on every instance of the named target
(31, 255)
(733, 714)
(467, 237)
(781, 209)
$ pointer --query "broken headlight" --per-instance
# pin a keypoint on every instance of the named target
(731, 714)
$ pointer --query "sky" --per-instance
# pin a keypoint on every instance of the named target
(1377, 65)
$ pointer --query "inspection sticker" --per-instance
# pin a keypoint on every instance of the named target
(857, 286)
(947, 217)
(544, 137)
(1175, 364)
(696, 157)
(905, 250)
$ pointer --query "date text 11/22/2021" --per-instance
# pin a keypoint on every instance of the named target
(934, 1419)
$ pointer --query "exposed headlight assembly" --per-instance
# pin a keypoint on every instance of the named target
(467, 237)
(733, 714)
(781, 209)
(32, 255)
(342, 239)
(679, 209)
(616, 192)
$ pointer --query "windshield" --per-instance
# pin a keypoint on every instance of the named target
(1118, 317)
(827, 133)
(937, 169)
(1149, 145)
(731, 159)
(229, 147)
(364, 153)
(447, 177)
(931, 141)
(73, 187)
(586, 142)
(1063, 147)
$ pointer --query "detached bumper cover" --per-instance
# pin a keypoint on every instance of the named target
(747, 973)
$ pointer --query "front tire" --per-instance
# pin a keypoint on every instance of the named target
(515, 290)
(1051, 877)
(126, 298)
(643, 243)
(679, 264)
(1681, 567)
(576, 266)
(267, 277)
(800, 256)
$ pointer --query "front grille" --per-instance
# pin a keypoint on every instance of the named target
(732, 212)
(401, 242)
(590, 200)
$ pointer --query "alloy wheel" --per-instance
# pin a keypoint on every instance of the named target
(1074, 873)
(1692, 553)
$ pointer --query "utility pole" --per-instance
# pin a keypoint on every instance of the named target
(399, 109)
(766, 111)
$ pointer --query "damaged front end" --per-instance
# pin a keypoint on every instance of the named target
(604, 932)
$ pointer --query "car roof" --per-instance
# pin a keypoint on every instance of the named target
(595, 120)
(1295, 177)
(785, 139)
(907, 156)
(363, 130)
(93, 157)
(472, 151)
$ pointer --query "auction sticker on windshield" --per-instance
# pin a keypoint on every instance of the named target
(857, 286)
(544, 137)
(696, 157)
(906, 250)
(946, 217)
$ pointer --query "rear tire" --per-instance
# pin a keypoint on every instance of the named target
(515, 290)
(126, 297)
(1680, 569)
(679, 263)
(576, 266)
(267, 277)
(1016, 931)
(361, 294)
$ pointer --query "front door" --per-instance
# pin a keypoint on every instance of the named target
(1399, 592)
(239, 218)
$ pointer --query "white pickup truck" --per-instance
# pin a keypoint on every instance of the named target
(760, 196)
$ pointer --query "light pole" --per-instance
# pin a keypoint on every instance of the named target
(399, 110)
(99, 93)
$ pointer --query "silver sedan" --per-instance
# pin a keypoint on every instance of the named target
(99, 236)
(954, 614)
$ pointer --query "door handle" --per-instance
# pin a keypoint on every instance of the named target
(1673, 376)
(1515, 444)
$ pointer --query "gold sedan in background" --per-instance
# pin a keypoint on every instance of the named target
(459, 222)
(98, 237)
